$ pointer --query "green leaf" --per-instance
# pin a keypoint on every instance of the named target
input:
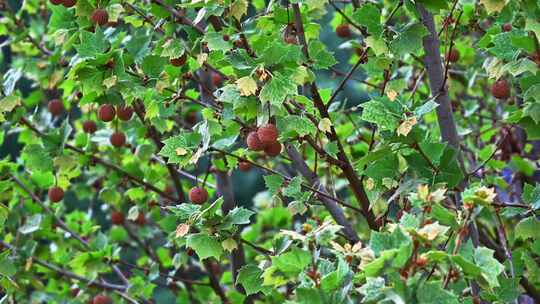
(240, 216)
(7, 268)
(333, 280)
(216, 42)
(92, 44)
(250, 277)
(369, 15)
(32, 224)
(432, 293)
(153, 65)
(384, 113)
(204, 245)
(322, 58)
(527, 228)
(37, 158)
(491, 268)
(434, 5)
(292, 262)
(277, 89)
(373, 289)
(294, 188)
(273, 183)
(410, 40)
(178, 149)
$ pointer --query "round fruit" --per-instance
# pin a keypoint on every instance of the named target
(273, 149)
(343, 31)
(106, 112)
(421, 261)
(117, 218)
(453, 55)
(253, 142)
(102, 299)
(57, 2)
(180, 61)
(118, 139)
(501, 89)
(56, 107)
(89, 127)
(268, 133)
(291, 39)
(56, 194)
(100, 17)
(216, 79)
(244, 166)
(69, 3)
(198, 195)
(124, 112)
(507, 27)
(141, 220)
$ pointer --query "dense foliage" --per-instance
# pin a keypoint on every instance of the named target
(404, 170)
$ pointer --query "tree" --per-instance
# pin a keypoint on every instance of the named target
(399, 167)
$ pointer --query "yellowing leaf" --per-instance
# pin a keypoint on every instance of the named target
(406, 126)
(247, 86)
(377, 45)
(432, 231)
(325, 125)
(182, 230)
(493, 6)
(370, 183)
(239, 9)
(110, 82)
(181, 151)
(201, 58)
(229, 244)
(392, 95)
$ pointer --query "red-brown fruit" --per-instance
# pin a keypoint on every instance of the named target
(421, 261)
(89, 127)
(507, 27)
(253, 142)
(244, 166)
(100, 17)
(124, 112)
(273, 149)
(141, 219)
(106, 112)
(57, 2)
(226, 37)
(56, 194)
(118, 139)
(343, 31)
(198, 195)
(268, 133)
(501, 89)
(291, 39)
(56, 107)
(453, 55)
(69, 3)
(117, 218)
(102, 299)
(216, 79)
(180, 61)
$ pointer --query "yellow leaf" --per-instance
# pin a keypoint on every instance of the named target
(201, 58)
(406, 126)
(247, 86)
(370, 183)
(229, 244)
(110, 82)
(182, 230)
(180, 151)
(325, 125)
(239, 9)
(432, 231)
(493, 6)
(392, 95)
